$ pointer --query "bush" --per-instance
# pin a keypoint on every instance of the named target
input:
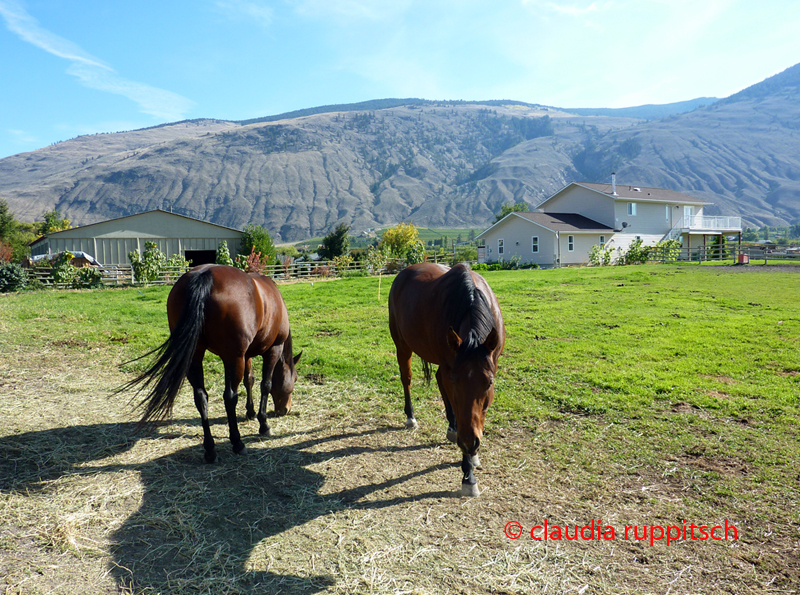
(224, 254)
(341, 263)
(12, 277)
(636, 254)
(376, 259)
(63, 271)
(415, 253)
(146, 268)
(88, 278)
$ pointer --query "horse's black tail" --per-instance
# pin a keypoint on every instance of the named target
(165, 376)
(426, 370)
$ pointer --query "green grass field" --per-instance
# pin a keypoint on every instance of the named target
(647, 395)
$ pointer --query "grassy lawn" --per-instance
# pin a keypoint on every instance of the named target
(650, 396)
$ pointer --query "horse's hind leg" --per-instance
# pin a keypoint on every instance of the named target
(249, 381)
(234, 372)
(195, 377)
(448, 408)
(404, 361)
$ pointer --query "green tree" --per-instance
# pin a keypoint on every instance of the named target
(256, 240)
(336, 243)
(53, 222)
(8, 224)
(508, 208)
(749, 235)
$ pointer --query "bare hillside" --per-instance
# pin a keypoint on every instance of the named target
(436, 164)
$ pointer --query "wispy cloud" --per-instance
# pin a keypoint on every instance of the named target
(22, 136)
(248, 9)
(91, 71)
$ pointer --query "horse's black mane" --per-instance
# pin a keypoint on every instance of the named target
(467, 301)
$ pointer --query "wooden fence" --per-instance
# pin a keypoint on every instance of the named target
(123, 274)
(737, 255)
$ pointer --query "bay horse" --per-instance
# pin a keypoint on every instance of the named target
(450, 317)
(236, 316)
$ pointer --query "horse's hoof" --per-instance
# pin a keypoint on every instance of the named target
(452, 436)
(265, 430)
(411, 424)
(214, 458)
(476, 462)
(251, 415)
(469, 490)
(240, 451)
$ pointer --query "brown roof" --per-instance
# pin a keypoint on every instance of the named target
(644, 193)
(565, 222)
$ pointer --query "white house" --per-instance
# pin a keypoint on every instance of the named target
(109, 242)
(565, 226)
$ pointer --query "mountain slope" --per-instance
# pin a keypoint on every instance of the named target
(435, 163)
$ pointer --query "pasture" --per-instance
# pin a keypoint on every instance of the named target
(648, 396)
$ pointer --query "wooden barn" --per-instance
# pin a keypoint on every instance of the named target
(109, 242)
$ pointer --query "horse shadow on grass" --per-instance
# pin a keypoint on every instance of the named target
(198, 524)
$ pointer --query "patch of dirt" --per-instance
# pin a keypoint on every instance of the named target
(339, 500)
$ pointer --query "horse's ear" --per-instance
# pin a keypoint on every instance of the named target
(297, 358)
(492, 340)
(453, 340)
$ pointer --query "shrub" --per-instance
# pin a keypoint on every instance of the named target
(88, 278)
(667, 251)
(376, 259)
(64, 272)
(415, 252)
(12, 277)
(341, 263)
(147, 267)
(635, 254)
(254, 263)
(224, 254)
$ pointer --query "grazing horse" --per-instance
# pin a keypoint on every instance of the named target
(236, 316)
(450, 317)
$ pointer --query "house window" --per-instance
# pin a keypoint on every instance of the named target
(535, 244)
(570, 243)
(500, 247)
(602, 241)
(666, 211)
(632, 208)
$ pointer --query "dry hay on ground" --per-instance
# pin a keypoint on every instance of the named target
(334, 502)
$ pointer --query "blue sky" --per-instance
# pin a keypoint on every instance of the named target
(73, 67)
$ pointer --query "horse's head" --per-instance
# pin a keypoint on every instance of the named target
(472, 378)
(283, 378)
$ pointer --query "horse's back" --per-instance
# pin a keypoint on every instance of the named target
(242, 313)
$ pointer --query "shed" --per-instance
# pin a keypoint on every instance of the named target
(109, 242)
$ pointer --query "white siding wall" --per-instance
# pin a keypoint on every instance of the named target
(585, 202)
(650, 218)
(111, 241)
(517, 234)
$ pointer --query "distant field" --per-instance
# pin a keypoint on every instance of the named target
(649, 396)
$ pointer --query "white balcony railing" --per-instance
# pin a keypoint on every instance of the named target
(699, 223)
